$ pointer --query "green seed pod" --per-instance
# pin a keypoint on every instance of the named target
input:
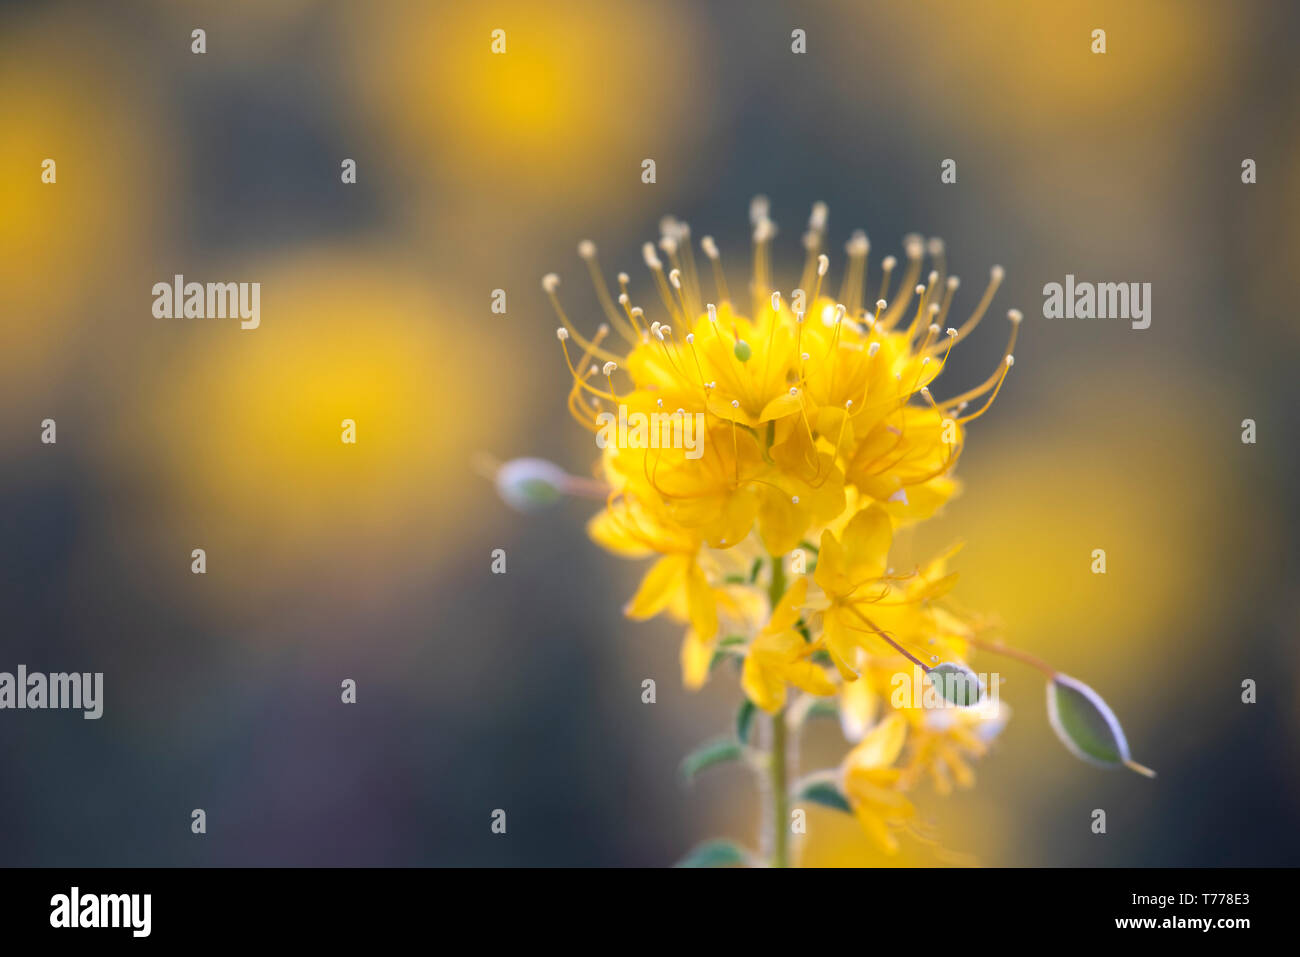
(742, 350)
(1086, 725)
(956, 683)
(531, 484)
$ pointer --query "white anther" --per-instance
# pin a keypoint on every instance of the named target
(561, 333)
(550, 282)
(1015, 315)
(586, 249)
(610, 368)
(776, 301)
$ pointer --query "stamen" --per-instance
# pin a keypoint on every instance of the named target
(887, 266)
(719, 278)
(550, 283)
(656, 267)
(995, 279)
(851, 289)
(587, 251)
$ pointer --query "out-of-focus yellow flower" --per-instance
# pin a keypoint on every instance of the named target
(870, 782)
(945, 740)
(780, 655)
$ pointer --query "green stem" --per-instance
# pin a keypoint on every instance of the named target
(777, 759)
(780, 794)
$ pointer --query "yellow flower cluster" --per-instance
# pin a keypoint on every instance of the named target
(781, 442)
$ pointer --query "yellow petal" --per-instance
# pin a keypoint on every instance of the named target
(696, 656)
(877, 830)
(840, 643)
(867, 538)
(762, 686)
(880, 747)
(615, 534)
(808, 677)
(858, 705)
(831, 573)
(701, 604)
(788, 609)
(783, 405)
(663, 579)
(781, 523)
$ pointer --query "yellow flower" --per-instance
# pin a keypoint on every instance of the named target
(792, 399)
(871, 783)
(945, 739)
(861, 599)
(780, 654)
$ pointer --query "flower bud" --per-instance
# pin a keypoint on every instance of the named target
(956, 683)
(1086, 725)
(531, 484)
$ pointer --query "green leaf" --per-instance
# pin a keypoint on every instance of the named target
(1086, 725)
(745, 720)
(729, 647)
(826, 794)
(716, 853)
(955, 683)
(711, 752)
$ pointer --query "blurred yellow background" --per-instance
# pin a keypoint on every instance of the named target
(479, 172)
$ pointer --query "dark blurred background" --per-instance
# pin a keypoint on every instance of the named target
(476, 172)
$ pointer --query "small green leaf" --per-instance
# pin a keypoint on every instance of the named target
(826, 794)
(955, 683)
(711, 752)
(1086, 725)
(716, 853)
(745, 720)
